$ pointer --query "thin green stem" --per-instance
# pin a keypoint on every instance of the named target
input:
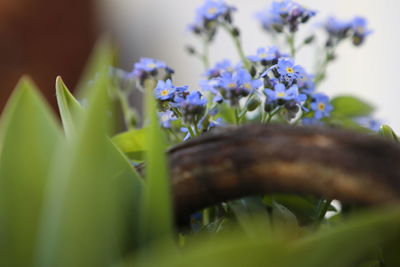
(321, 73)
(196, 129)
(126, 110)
(205, 57)
(272, 114)
(192, 134)
(237, 118)
(238, 46)
(206, 216)
(292, 44)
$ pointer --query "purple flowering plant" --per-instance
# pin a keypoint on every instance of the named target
(268, 85)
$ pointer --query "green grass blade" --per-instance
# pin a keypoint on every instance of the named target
(156, 214)
(93, 197)
(338, 246)
(69, 107)
(103, 56)
(29, 137)
(346, 244)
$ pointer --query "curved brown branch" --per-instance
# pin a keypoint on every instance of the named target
(253, 159)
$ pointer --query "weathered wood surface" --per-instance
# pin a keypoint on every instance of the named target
(253, 159)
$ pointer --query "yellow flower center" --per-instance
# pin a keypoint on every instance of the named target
(231, 85)
(212, 10)
(164, 92)
(247, 85)
(263, 55)
(281, 94)
(321, 106)
(151, 65)
(289, 70)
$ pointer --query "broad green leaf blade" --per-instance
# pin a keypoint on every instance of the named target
(349, 106)
(29, 137)
(251, 215)
(103, 56)
(156, 214)
(132, 143)
(346, 244)
(226, 113)
(340, 246)
(69, 107)
(93, 197)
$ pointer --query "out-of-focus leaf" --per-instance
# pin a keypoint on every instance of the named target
(303, 207)
(132, 143)
(390, 251)
(388, 132)
(226, 113)
(94, 195)
(29, 137)
(349, 106)
(251, 214)
(344, 245)
(347, 123)
(283, 216)
(69, 107)
(156, 216)
(103, 56)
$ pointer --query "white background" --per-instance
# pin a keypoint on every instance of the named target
(157, 29)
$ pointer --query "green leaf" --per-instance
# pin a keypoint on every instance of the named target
(283, 216)
(348, 243)
(344, 245)
(226, 113)
(103, 56)
(30, 134)
(301, 206)
(347, 123)
(132, 143)
(156, 214)
(349, 106)
(250, 212)
(388, 132)
(93, 197)
(69, 107)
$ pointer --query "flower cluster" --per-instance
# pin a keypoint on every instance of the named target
(148, 67)
(264, 86)
(209, 15)
(284, 14)
(338, 30)
(288, 86)
(178, 102)
(230, 84)
(266, 56)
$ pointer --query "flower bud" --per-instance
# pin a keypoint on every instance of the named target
(309, 39)
(253, 71)
(235, 32)
(278, 28)
(269, 106)
(253, 103)
(190, 49)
